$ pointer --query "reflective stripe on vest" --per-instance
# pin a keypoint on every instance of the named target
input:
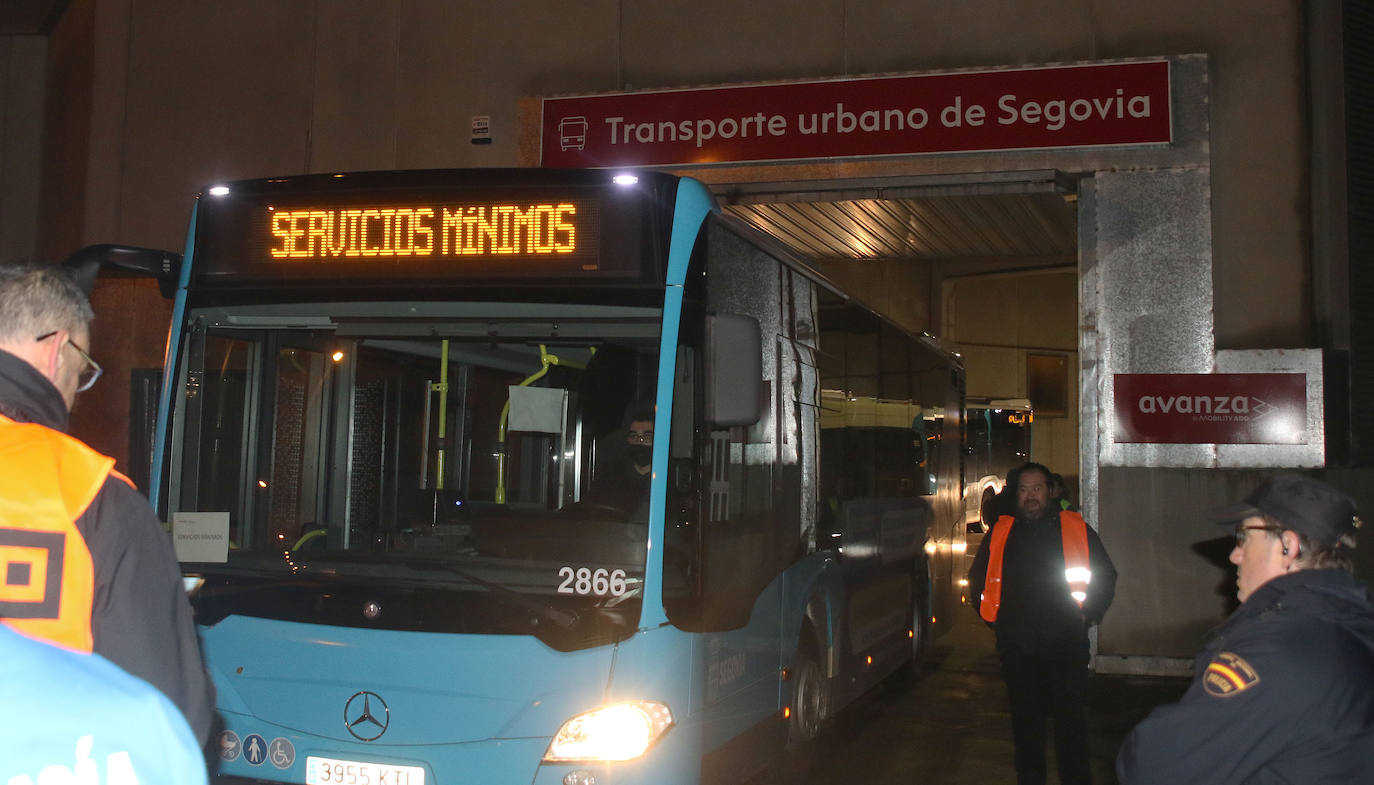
(47, 480)
(1073, 531)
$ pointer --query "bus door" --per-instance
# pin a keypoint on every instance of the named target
(269, 417)
(309, 406)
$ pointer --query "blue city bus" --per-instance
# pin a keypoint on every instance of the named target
(394, 403)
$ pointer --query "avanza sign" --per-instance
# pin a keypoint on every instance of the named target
(1211, 408)
(1047, 107)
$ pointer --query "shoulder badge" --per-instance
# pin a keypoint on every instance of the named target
(1228, 674)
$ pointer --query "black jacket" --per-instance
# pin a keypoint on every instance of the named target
(1037, 616)
(140, 617)
(1283, 693)
(624, 489)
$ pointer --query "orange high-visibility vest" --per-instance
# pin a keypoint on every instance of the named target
(1073, 531)
(47, 480)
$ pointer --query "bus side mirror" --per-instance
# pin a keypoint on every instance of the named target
(734, 369)
(86, 263)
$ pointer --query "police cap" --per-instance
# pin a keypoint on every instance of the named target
(1303, 504)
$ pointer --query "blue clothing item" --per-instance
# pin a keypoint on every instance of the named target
(73, 717)
(1283, 693)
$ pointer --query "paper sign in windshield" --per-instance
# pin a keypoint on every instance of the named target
(201, 536)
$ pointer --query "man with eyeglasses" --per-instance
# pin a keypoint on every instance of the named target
(1284, 691)
(84, 561)
(624, 484)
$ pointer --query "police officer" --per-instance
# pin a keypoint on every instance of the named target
(1041, 578)
(88, 566)
(1284, 691)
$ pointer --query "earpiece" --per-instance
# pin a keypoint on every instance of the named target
(1285, 551)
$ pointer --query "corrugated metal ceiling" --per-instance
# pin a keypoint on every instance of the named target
(1026, 214)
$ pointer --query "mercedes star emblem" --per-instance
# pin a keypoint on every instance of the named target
(366, 716)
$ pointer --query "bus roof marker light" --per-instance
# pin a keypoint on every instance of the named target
(625, 179)
(218, 190)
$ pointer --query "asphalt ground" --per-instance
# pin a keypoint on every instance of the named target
(950, 726)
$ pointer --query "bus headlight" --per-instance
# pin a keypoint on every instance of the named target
(620, 732)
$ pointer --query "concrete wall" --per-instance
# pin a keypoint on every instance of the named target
(67, 132)
(187, 93)
(190, 92)
(22, 85)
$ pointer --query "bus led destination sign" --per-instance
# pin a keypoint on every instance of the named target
(434, 231)
(369, 229)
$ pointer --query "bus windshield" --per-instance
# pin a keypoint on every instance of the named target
(478, 469)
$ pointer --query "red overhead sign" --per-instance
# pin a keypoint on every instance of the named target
(1008, 109)
(1211, 408)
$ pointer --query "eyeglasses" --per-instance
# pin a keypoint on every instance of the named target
(1241, 531)
(89, 374)
(640, 437)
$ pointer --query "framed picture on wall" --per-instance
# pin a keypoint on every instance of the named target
(1047, 384)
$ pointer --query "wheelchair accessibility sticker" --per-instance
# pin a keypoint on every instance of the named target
(256, 750)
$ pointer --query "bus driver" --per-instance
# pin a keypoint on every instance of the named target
(624, 482)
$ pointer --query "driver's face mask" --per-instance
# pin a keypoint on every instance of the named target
(641, 446)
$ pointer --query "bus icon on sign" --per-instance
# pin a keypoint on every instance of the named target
(572, 133)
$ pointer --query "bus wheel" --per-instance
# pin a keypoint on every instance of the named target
(808, 701)
(919, 633)
(902, 678)
(809, 698)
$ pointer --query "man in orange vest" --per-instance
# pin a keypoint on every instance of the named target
(1041, 577)
(84, 561)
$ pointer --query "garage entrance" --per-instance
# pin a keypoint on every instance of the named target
(988, 262)
(1052, 262)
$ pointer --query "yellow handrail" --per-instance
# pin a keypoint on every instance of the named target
(546, 360)
(442, 389)
(307, 537)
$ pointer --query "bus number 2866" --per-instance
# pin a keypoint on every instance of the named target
(584, 580)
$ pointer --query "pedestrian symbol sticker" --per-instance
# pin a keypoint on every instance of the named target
(254, 749)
